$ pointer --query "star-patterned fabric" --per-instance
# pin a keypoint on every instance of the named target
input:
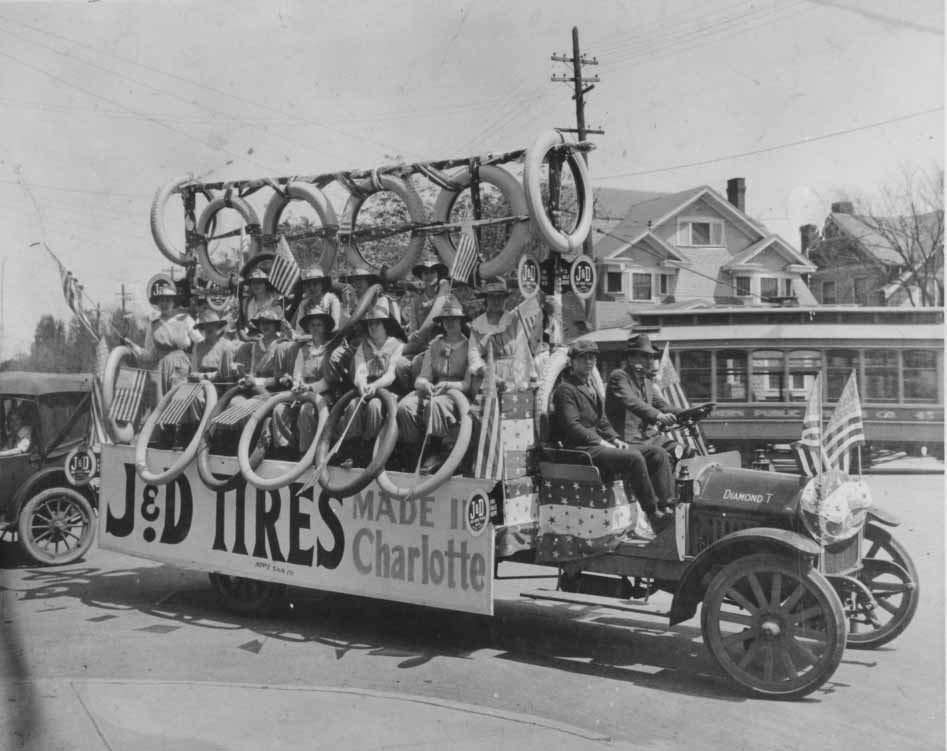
(520, 526)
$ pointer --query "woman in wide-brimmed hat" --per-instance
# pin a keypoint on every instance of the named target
(446, 365)
(362, 277)
(212, 358)
(261, 294)
(263, 361)
(316, 289)
(429, 272)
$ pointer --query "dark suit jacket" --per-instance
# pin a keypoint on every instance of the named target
(579, 415)
(632, 405)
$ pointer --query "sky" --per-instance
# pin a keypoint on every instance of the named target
(102, 102)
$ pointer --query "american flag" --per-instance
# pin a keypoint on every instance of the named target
(810, 455)
(129, 387)
(285, 273)
(240, 411)
(184, 396)
(98, 434)
(528, 334)
(845, 428)
(466, 257)
(668, 381)
(489, 463)
(72, 291)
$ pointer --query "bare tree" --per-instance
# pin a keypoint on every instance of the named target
(907, 219)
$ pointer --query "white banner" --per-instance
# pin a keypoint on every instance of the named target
(419, 551)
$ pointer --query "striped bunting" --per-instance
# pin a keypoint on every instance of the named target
(236, 413)
(466, 256)
(845, 428)
(806, 459)
(98, 433)
(669, 382)
(489, 463)
(129, 388)
(284, 273)
(184, 397)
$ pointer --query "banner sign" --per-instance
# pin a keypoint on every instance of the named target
(80, 466)
(527, 276)
(436, 550)
(583, 277)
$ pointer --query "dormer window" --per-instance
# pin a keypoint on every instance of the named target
(700, 232)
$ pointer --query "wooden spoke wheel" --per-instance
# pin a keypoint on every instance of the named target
(56, 526)
(774, 627)
(888, 573)
(247, 596)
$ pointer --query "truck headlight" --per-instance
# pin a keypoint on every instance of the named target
(834, 506)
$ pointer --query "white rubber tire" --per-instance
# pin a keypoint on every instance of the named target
(512, 191)
(158, 230)
(406, 192)
(558, 240)
(298, 191)
(141, 447)
(120, 433)
(250, 218)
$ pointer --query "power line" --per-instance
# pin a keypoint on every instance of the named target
(776, 147)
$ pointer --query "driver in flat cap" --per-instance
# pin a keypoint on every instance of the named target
(580, 423)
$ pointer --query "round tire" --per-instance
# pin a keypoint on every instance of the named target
(120, 433)
(158, 230)
(564, 242)
(204, 222)
(247, 596)
(384, 446)
(431, 483)
(203, 450)
(296, 468)
(56, 526)
(774, 627)
(512, 191)
(406, 192)
(298, 191)
(141, 447)
(890, 575)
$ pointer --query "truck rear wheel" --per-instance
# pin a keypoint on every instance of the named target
(774, 627)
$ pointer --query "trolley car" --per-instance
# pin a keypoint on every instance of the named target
(784, 578)
(757, 365)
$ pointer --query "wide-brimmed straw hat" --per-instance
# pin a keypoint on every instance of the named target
(430, 265)
(452, 309)
(316, 311)
(267, 314)
(381, 313)
(161, 286)
(494, 287)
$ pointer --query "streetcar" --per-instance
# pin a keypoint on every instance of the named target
(758, 364)
(785, 571)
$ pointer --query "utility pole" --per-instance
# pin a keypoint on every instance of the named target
(580, 89)
(124, 296)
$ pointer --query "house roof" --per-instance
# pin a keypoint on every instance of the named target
(653, 243)
(770, 241)
(859, 228)
(614, 203)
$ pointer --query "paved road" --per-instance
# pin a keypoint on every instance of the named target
(121, 653)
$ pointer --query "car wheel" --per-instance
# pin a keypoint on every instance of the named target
(776, 627)
(56, 526)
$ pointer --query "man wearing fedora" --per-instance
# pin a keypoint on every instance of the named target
(579, 422)
(637, 412)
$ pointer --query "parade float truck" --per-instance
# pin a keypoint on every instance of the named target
(785, 571)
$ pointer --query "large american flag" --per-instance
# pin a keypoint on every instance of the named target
(129, 387)
(284, 273)
(184, 396)
(668, 381)
(466, 257)
(72, 291)
(239, 411)
(489, 463)
(810, 455)
(845, 428)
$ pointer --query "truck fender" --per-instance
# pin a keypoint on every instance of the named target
(691, 586)
(883, 516)
(48, 477)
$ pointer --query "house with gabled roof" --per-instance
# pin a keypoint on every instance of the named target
(694, 248)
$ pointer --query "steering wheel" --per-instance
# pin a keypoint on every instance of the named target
(693, 415)
(296, 468)
(141, 448)
(203, 450)
(431, 483)
(384, 445)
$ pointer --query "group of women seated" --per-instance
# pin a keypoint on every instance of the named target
(284, 346)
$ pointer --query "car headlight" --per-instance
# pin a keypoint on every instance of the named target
(834, 506)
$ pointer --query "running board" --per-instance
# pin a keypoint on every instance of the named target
(575, 598)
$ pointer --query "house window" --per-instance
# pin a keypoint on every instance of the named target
(920, 375)
(861, 290)
(840, 363)
(787, 288)
(881, 375)
(828, 293)
(641, 286)
(700, 232)
(769, 287)
(768, 384)
(743, 286)
(731, 376)
(804, 365)
(664, 284)
(695, 374)
(613, 281)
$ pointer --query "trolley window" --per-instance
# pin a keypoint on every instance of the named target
(840, 363)
(920, 375)
(881, 375)
(768, 375)
(804, 365)
(731, 376)
(695, 373)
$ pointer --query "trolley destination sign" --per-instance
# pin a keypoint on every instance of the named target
(418, 550)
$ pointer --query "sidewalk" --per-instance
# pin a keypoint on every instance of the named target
(57, 714)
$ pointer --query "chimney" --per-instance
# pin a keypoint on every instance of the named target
(843, 207)
(736, 192)
(808, 236)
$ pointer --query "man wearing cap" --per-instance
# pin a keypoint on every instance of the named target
(447, 364)
(579, 422)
